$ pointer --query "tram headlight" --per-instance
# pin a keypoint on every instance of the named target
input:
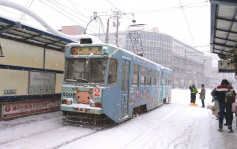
(64, 101)
(67, 101)
(95, 104)
(92, 103)
(98, 104)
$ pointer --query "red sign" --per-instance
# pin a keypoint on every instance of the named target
(97, 92)
(22, 109)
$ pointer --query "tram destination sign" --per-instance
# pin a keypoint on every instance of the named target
(86, 50)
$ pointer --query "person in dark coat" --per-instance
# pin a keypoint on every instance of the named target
(220, 94)
(193, 91)
(202, 95)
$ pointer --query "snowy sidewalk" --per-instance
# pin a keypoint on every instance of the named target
(172, 126)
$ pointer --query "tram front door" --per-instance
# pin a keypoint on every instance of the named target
(125, 88)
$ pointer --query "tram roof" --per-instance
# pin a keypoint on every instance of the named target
(19, 32)
(223, 26)
(129, 52)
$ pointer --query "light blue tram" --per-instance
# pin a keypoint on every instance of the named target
(101, 79)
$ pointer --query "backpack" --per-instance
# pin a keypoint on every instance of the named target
(229, 97)
(213, 93)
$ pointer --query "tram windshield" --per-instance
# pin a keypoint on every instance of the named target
(84, 70)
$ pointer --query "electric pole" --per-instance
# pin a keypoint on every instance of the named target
(117, 25)
(107, 32)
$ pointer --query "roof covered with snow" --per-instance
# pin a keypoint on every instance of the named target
(223, 27)
(13, 30)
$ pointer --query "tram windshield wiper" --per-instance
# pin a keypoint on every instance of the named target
(71, 80)
(82, 79)
(77, 79)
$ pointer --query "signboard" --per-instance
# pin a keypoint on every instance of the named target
(22, 109)
(9, 92)
(226, 66)
(41, 83)
(86, 50)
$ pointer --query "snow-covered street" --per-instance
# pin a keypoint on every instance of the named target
(176, 125)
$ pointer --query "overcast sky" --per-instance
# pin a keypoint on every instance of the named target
(186, 20)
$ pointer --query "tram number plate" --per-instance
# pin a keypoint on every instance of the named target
(97, 92)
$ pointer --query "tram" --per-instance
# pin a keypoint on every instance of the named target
(105, 81)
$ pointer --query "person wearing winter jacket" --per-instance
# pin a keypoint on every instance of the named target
(220, 94)
(193, 91)
(202, 95)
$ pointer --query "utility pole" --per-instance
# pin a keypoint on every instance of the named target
(117, 26)
(107, 32)
(186, 67)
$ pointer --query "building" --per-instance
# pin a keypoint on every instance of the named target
(73, 30)
(187, 65)
(186, 62)
(31, 70)
(207, 71)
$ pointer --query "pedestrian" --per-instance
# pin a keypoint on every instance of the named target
(220, 93)
(193, 91)
(216, 105)
(202, 95)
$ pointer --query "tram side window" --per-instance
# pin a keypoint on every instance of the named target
(125, 77)
(161, 78)
(153, 77)
(158, 77)
(148, 76)
(112, 74)
(135, 74)
(143, 75)
(165, 79)
(168, 79)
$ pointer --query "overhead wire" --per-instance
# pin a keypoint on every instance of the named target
(114, 6)
(100, 20)
(109, 14)
(67, 9)
(70, 16)
(73, 4)
(23, 14)
(187, 23)
(169, 9)
(123, 13)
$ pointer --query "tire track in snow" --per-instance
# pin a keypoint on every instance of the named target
(80, 137)
(33, 134)
(189, 136)
(139, 138)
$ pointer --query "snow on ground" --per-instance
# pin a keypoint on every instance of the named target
(172, 126)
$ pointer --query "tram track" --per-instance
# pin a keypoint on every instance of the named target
(65, 133)
(29, 136)
(32, 134)
(81, 137)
